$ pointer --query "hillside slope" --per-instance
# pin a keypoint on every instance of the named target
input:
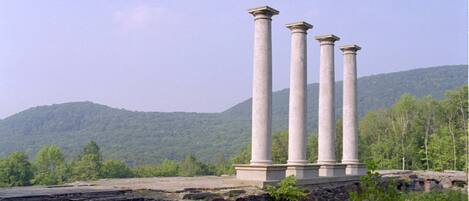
(148, 137)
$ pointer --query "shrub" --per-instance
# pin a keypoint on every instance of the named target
(287, 190)
(115, 169)
(372, 188)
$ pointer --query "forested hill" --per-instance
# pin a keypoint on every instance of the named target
(148, 137)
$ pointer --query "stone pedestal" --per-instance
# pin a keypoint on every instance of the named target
(302, 172)
(260, 172)
(332, 170)
(355, 169)
(297, 163)
(261, 169)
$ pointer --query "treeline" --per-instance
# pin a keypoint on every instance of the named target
(50, 167)
(414, 134)
(418, 133)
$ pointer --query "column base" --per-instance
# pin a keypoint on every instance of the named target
(301, 172)
(332, 170)
(355, 169)
(260, 172)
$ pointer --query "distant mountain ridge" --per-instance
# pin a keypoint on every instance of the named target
(148, 137)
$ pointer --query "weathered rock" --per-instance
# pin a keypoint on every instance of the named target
(197, 196)
(233, 192)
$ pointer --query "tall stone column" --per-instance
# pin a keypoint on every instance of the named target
(297, 104)
(350, 119)
(326, 117)
(261, 152)
(297, 163)
(261, 167)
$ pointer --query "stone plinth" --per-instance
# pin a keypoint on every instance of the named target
(267, 173)
(301, 172)
(355, 169)
(332, 170)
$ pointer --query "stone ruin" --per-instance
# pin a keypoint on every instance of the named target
(261, 170)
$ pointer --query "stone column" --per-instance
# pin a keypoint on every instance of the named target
(297, 163)
(261, 168)
(297, 105)
(326, 117)
(262, 87)
(350, 119)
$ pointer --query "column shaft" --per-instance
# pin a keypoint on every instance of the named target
(262, 89)
(298, 94)
(326, 116)
(350, 121)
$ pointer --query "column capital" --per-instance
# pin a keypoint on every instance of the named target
(350, 48)
(327, 39)
(300, 27)
(263, 12)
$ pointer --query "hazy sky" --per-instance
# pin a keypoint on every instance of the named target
(197, 55)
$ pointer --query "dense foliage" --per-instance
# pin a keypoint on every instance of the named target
(15, 170)
(50, 166)
(140, 138)
(418, 133)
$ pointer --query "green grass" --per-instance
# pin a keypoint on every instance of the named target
(446, 195)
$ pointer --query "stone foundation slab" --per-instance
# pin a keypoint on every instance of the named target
(355, 169)
(301, 172)
(264, 173)
(332, 170)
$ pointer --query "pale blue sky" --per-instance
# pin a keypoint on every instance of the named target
(196, 56)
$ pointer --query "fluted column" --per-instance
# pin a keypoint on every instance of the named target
(262, 86)
(350, 121)
(326, 117)
(298, 94)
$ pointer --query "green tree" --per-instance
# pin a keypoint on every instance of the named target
(402, 116)
(440, 150)
(280, 147)
(426, 121)
(88, 164)
(168, 168)
(92, 148)
(115, 169)
(243, 156)
(190, 167)
(16, 170)
(222, 166)
(312, 148)
(50, 166)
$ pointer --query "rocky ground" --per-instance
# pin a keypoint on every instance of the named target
(216, 188)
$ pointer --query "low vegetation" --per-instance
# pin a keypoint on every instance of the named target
(372, 188)
(50, 167)
(287, 190)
